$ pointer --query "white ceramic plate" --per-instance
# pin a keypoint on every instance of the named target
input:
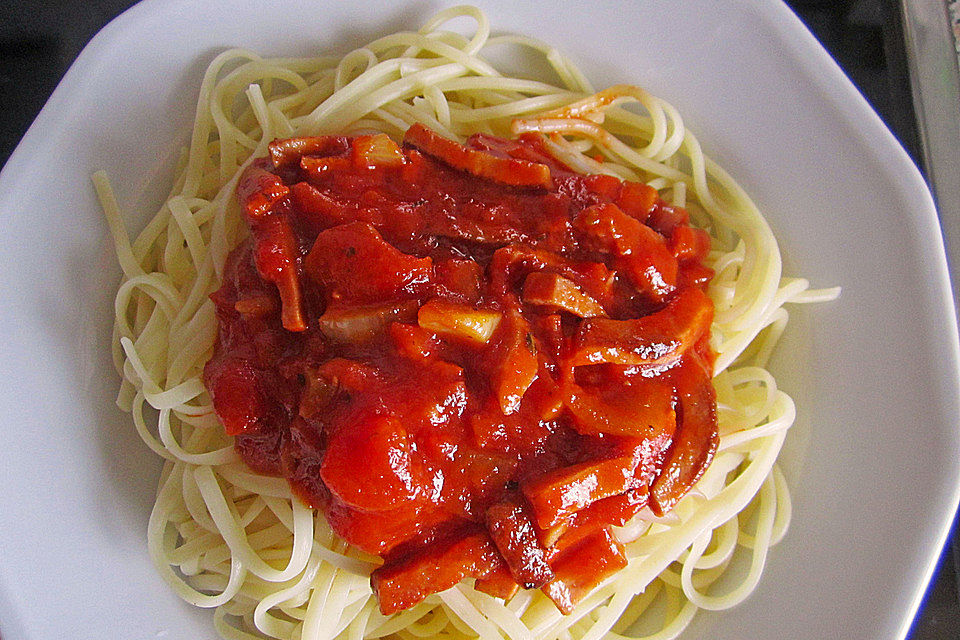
(874, 455)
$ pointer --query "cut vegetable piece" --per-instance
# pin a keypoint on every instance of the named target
(657, 339)
(462, 278)
(614, 510)
(320, 169)
(384, 446)
(321, 210)
(356, 264)
(696, 440)
(637, 200)
(458, 320)
(498, 583)
(413, 341)
(517, 363)
(582, 567)
(513, 531)
(510, 171)
(258, 190)
(362, 324)
(689, 243)
(637, 250)
(664, 218)
(287, 153)
(556, 292)
(276, 253)
(557, 495)
(641, 408)
(237, 391)
(378, 151)
(403, 582)
(380, 532)
(512, 263)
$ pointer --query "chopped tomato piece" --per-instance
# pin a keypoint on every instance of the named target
(320, 209)
(688, 243)
(637, 200)
(665, 218)
(238, 396)
(614, 510)
(640, 408)
(694, 274)
(355, 264)
(380, 532)
(603, 185)
(498, 583)
(388, 463)
(462, 278)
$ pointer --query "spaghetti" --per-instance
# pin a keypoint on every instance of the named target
(226, 538)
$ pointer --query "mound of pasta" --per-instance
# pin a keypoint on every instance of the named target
(419, 334)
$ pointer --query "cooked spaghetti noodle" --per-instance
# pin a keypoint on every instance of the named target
(226, 538)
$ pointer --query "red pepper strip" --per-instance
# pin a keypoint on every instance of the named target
(511, 171)
(657, 339)
(582, 567)
(615, 510)
(696, 439)
(515, 535)
(557, 495)
(286, 153)
(400, 584)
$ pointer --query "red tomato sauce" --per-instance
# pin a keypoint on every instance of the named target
(473, 359)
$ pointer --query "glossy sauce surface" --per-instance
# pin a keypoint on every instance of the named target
(473, 359)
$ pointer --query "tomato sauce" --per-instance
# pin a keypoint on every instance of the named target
(473, 359)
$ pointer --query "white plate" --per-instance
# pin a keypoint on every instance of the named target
(874, 456)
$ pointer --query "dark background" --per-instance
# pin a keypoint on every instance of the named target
(40, 38)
